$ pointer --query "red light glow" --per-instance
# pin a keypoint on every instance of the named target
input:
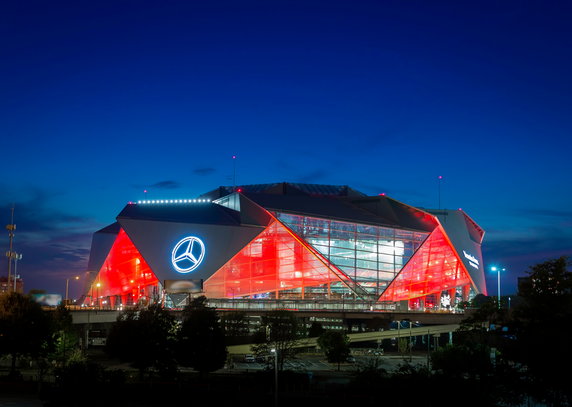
(433, 268)
(124, 272)
(273, 261)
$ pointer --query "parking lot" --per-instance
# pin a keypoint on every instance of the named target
(310, 362)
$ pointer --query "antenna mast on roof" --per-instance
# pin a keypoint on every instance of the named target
(439, 186)
(233, 173)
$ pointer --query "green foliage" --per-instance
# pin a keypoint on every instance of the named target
(484, 311)
(66, 340)
(336, 346)
(540, 322)
(145, 338)
(201, 343)
(403, 345)
(62, 318)
(25, 329)
(282, 331)
(462, 360)
(548, 280)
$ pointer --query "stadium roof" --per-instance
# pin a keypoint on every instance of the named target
(338, 202)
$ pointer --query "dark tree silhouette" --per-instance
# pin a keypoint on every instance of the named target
(336, 346)
(316, 329)
(66, 339)
(201, 343)
(540, 325)
(25, 329)
(145, 338)
(282, 330)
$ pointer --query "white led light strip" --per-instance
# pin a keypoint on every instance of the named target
(172, 201)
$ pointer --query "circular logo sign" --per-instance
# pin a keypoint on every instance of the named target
(188, 254)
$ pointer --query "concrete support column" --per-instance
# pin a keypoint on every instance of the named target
(466, 290)
(453, 294)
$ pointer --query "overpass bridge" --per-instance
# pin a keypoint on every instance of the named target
(94, 316)
(95, 322)
(434, 330)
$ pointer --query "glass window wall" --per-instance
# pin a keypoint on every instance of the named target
(370, 255)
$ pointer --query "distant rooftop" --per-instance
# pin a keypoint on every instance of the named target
(286, 188)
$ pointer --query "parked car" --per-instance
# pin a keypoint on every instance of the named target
(249, 358)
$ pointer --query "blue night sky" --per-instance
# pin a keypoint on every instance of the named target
(102, 100)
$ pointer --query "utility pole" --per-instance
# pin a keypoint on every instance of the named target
(410, 342)
(17, 256)
(10, 254)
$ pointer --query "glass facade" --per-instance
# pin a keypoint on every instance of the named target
(125, 277)
(276, 264)
(435, 268)
(307, 258)
(371, 256)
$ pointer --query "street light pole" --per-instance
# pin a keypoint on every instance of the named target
(68, 284)
(498, 278)
(498, 270)
(410, 342)
(275, 351)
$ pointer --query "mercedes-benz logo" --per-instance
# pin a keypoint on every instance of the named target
(188, 254)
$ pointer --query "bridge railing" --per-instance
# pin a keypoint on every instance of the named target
(300, 305)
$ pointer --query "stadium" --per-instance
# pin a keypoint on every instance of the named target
(287, 245)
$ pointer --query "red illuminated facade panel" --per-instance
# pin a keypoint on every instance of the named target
(289, 241)
(124, 273)
(434, 268)
(274, 261)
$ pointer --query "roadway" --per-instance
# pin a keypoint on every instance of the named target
(362, 337)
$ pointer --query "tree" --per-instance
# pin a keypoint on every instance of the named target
(336, 346)
(201, 343)
(281, 332)
(316, 329)
(539, 322)
(461, 360)
(547, 281)
(25, 329)
(65, 338)
(145, 338)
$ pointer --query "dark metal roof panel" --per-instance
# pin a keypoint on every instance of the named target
(362, 210)
(101, 243)
(286, 188)
(203, 213)
(406, 216)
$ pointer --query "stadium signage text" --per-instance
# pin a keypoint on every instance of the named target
(472, 259)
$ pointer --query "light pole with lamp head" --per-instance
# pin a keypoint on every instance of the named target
(98, 301)
(275, 352)
(67, 286)
(498, 270)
